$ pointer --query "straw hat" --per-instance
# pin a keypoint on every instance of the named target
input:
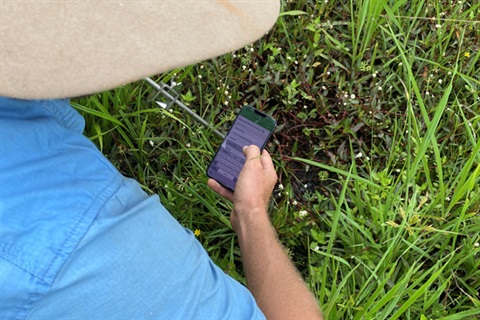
(56, 49)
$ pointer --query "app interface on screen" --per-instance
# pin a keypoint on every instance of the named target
(229, 160)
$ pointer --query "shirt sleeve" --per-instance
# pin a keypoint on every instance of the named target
(138, 262)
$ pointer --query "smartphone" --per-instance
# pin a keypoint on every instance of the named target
(250, 127)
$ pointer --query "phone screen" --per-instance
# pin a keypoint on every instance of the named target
(250, 127)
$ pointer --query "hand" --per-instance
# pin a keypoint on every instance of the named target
(254, 186)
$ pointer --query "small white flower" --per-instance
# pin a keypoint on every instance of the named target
(476, 244)
(358, 155)
(352, 96)
(438, 26)
(188, 145)
(199, 76)
(151, 143)
(251, 49)
(374, 75)
(294, 202)
(302, 213)
(226, 103)
(280, 186)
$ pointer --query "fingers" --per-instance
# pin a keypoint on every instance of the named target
(266, 160)
(221, 190)
(252, 152)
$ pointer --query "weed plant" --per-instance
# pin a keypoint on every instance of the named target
(377, 150)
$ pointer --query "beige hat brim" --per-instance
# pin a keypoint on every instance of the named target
(58, 49)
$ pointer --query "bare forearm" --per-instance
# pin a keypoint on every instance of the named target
(276, 285)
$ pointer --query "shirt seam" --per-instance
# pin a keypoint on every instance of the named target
(48, 277)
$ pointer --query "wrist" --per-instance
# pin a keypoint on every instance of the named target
(254, 221)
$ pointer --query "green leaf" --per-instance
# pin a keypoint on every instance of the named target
(292, 13)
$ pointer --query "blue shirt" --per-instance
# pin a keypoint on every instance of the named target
(80, 241)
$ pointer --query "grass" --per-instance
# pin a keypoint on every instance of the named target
(377, 151)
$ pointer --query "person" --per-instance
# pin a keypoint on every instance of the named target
(77, 239)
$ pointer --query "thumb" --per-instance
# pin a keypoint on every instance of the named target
(251, 151)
